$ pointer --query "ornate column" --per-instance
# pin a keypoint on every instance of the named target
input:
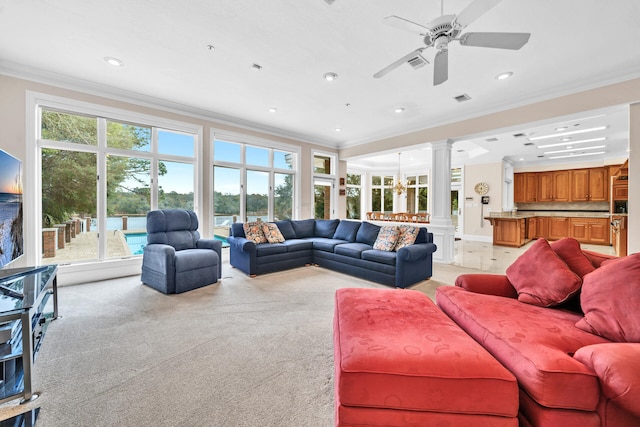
(440, 201)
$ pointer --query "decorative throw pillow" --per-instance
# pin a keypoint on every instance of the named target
(272, 232)
(610, 300)
(387, 238)
(569, 250)
(541, 277)
(407, 237)
(253, 231)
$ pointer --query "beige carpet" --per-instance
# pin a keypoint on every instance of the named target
(243, 352)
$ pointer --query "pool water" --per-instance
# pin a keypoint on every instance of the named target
(137, 241)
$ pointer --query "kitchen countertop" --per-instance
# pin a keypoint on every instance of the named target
(562, 214)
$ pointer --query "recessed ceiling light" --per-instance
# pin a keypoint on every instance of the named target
(338, 129)
(566, 138)
(114, 61)
(399, 110)
(561, 128)
(272, 109)
(503, 76)
(521, 159)
(559, 144)
(330, 76)
(573, 132)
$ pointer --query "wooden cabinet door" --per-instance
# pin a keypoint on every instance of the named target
(519, 188)
(598, 185)
(620, 191)
(531, 187)
(558, 228)
(580, 185)
(579, 229)
(599, 231)
(545, 186)
(532, 228)
(542, 227)
(506, 232)
(561, 186)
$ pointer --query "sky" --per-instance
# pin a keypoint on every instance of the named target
(9, 170)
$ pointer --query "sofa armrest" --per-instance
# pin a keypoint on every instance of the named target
(214, 245)
(489, 284)
(159, 257)
(617, 367)
(416, 252)
(242, 244)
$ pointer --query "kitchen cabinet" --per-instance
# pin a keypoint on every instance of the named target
(554, 186)
(558, 228)
(525, 187)
(590, 230)
(537, 227)
(508, 231)
(620, 190)
(590, 185)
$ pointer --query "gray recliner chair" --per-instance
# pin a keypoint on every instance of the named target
(176, 259)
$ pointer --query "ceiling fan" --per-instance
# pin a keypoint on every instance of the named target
(447, 28)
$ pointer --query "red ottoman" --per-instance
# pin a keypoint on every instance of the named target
(400, 361)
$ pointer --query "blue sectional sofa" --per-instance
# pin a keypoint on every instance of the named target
(341, 245)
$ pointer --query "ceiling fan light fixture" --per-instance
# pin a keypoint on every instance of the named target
(330, 76)
(505, 75)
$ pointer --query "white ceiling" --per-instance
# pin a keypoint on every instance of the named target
(574, 45)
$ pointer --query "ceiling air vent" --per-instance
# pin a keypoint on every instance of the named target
(528, 143)
(462, 98)
(417, 62)
(519, 135)
(540, 156)
(491, 139)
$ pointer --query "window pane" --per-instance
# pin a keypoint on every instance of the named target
(388, 181)
(128, 201)
(321, 164)
(283, 196)
(423, 200)
(226, 151)
(376, 199)
(175, 185)
(69, 203)
(388, 200)
(353, 202)
(411, 200)
(178, 144)
(322, 200)
(257, 199)
(128, 137)
(257, 156)
(283, 160)
(411, 180)
(456, 174)
(226, 199)
(423, 179)
(376, 180)
(354, 179)
(69, 128)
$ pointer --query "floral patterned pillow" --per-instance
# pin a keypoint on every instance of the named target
(387, 238)
(253, 232)
(272, 232)
(408, 234)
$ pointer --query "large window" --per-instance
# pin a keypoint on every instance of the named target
(101, 174)
(251, 181)
(382, 193)
(417, 193)
(354, 191)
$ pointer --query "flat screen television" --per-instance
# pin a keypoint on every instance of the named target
(11, 223)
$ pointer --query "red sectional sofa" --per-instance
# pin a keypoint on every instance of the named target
(566, 323)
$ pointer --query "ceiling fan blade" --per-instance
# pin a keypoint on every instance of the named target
(512, 41)
(405, 24)
(441, 67)
(398, 63)
(473, 11)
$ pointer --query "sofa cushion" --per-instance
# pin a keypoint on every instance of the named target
(347, 230)
(407, 237)
(253, 231)
(286, 229)
(541, 277)
(237, 229)
(368, 233)
(324, 244)
(353, 250)
(272, 232)
(326, 227)
(387, 238)
(610, 299)
(303, 227)
(383, 257)
(536, 344)
(569, 250)
(294, 245)
(270, 249)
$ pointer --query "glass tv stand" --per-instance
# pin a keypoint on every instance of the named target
(24, 293)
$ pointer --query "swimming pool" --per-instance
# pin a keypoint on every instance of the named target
(137, 241)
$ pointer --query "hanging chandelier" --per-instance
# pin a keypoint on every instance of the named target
(399, 188)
